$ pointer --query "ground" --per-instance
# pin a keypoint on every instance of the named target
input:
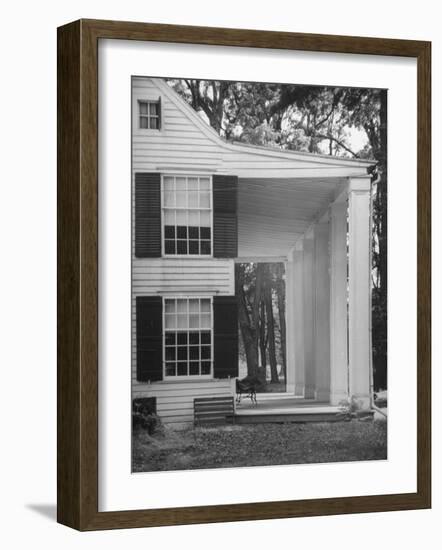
(259, 445)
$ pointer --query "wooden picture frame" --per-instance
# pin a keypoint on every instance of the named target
(78, 274)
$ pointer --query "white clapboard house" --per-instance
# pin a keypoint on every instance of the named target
(200, 204)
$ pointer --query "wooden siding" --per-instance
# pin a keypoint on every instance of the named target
(179, 145)
(175, 399)
(162, 276)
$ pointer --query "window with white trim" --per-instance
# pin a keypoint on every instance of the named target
(149, 114)
(187, 215)
(188, 339)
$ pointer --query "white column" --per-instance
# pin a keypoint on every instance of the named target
(338, 303)
(322, 310)
(359, 289)
(308, 306)
(295, 321)
(290, 323)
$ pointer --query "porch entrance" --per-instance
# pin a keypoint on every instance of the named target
(260, 289)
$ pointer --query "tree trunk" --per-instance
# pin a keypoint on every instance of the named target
(262, 336)
(280, 292)
(270, 329)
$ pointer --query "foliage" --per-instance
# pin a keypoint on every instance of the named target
(260, 445)
(144, 417)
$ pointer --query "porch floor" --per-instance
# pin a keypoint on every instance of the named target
(284, 408)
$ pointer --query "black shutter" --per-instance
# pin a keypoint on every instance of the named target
(149, 312)
(225, 223)
(159, 113)
(147, 215)
(225, 336)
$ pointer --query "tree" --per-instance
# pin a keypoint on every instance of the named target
(268, 300)
(280, 296)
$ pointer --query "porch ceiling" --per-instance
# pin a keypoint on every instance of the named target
(274, 213)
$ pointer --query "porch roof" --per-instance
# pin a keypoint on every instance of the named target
(273, 213)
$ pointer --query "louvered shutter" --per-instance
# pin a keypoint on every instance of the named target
(160, 114)
(147, 215)
(225, 336)
(149, 321)
(225, 223)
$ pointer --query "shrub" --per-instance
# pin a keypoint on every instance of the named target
(144, 415)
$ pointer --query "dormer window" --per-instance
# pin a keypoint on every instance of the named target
(150, 114)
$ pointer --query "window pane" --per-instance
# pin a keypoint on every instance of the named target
(182, 353)
(182, 338)
(181, 232)
(170, 321)
(181, 305)
(194, 338)
(192, 184)
(205, 305)
(181, 247)
(193, 199)
(169, 217)
(181, 199)
(194, 320)
(182, 369)
(170, 306)
(170, 354)
(181, 184)
(205, 320)
(143, 122)
(170, 338)
(153, 108)
(194, 305)
(169, 247)
(205, 247)
(181, 217)
(168, 183)
(194, 218)
(193, 232)
(194, 352)
(182, 321)
(170, 369)
(205, 352)
(205, 218)
(205, 199)
(154, 123)
(205, 233)
(205, 368)
(194, 247)
(169, 198)
(205, 184)
(205, 338)
(169, 231)
(194, 368)
(143, 107)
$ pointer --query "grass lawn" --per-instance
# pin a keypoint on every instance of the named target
(259, 445)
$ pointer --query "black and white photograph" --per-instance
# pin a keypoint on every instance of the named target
(259, 274)
(218, 275)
